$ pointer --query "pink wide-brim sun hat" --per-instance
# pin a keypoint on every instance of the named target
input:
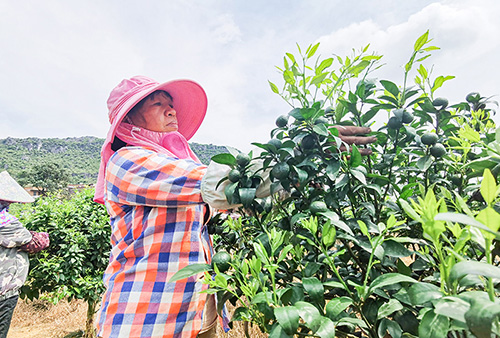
(189, 100)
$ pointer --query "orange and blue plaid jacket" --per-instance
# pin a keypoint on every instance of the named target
(156, 211)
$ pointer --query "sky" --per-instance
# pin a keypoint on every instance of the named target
(59, 60)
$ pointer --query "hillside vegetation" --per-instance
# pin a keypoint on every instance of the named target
(80, 155)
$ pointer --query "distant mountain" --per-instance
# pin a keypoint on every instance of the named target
(80, 155)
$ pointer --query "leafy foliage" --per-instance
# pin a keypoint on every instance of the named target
(46, 176)
(366, 245)
(74, 263)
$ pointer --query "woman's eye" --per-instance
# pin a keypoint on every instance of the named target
(157, 104)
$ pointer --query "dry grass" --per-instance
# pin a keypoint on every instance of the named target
(43, 319)
(40, 319)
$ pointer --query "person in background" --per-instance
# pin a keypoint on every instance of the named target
(156, 192)
(15, 244)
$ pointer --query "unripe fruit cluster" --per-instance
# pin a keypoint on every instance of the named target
(436, 149)
(242, 160)
(400, 117)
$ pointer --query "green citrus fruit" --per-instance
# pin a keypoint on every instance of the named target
(429, 138)
(275, 142)
(211, 228)
(407, 117)
(308, 142)
(242, 159)
(438, 150)
(473, 97)
(321, 120)
(280, 170)
(234, 175)
(222, 259)
(231, 237)
(394, 123)
(440, 102)
(282, 121)
(317, 207)
(399, 114)
(456, 180)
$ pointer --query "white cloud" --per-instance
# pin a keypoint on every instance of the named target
(466, 32)
(225, 29)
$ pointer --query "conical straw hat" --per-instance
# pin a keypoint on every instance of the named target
(11, 191)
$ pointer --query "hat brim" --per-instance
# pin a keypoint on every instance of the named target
(190, 103)
(11, 191)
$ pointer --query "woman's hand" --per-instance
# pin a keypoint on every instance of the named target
(356, 135)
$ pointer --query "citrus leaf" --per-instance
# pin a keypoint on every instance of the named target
(488, 187)
(247, 195)
(313, 50)
(433, 325)
(358, 175)
(323, 65)
(461, 269)
(190, 270)
(334, 218)
(288, 318)
(229, 191)
(310, 314)
(332, 169)
(389, 279)
(336, 306)
(278, 332)
(421, 41)
(452, 307)
(326, 328)
(389, 308)
(328, 234)
(320, 129)
(390, 87)
(315, 289)
(356, 158)
(409, 210)
(332, 284)
(273, 87)
(227, 159)
(480, 317)
(391, 326)
(318, 79)
(395, 249)
(424, 163)
(464, 219)
(421, 293)
(490, 217)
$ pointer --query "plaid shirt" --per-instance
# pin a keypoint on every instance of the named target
(156, 214)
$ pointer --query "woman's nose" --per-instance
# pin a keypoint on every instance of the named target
(171, 112)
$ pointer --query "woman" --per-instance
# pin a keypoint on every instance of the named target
(152, 191)
(155, 190)
(15, 244)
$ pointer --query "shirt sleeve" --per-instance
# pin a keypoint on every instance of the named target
(13, 234)
(139, 176)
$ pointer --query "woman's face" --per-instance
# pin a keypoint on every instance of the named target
(156, 114)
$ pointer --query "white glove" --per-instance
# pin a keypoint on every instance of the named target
(215, 172)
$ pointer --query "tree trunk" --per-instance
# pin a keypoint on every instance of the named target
(89, 325)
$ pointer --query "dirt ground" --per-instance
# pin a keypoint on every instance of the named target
(40, 319)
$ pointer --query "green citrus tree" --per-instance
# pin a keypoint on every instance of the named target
(74, 263)
(348, 244)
